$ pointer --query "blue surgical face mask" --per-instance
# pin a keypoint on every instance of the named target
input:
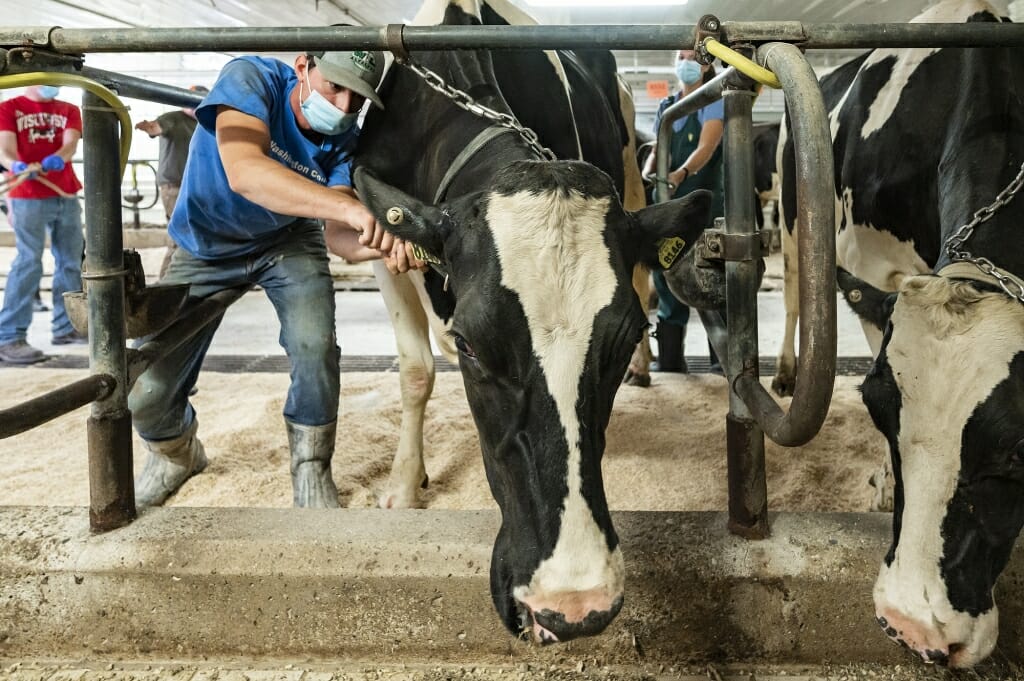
(48, 91)
(688, 71)
(323, 116)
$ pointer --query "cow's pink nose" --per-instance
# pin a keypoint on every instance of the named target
(926, 641)
(569, 614)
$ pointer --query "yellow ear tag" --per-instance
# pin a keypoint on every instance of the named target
(669, 249)
(422, 254)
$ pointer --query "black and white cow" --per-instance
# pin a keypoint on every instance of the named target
(923, 138)
(537, 258)
(766, 177)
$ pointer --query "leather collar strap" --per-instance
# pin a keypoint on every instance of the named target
(468, 152)
(460, 161)
(970, 271)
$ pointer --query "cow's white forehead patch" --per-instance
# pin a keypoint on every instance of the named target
(946, 356)
(553, 256)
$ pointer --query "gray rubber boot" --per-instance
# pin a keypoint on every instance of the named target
(312, 448)
(170, 464)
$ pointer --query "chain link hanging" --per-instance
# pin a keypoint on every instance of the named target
(955, 243)
(467, 103)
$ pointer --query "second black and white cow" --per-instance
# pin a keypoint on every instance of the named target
(922, 140)
(537, 259)
(766, 177)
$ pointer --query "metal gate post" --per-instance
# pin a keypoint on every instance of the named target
(111, 489)
(748, 492)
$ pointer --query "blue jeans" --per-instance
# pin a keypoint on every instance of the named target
(674, 311)
(31, 219)
(670, 308)
(292, 269)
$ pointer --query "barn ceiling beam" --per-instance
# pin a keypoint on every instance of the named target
(626, 37)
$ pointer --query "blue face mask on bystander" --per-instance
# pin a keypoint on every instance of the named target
(48, 91)
(323, 116)
(688, 71)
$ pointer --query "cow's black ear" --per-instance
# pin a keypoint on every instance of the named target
(869, 303)
(669, 229)
(404, 216)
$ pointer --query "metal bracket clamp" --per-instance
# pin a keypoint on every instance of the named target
(23, 59)
(395, 42)
(708, 27)
(715, 244)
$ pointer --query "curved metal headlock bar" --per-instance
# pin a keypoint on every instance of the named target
(752, 412)
(816, 240)
(44, 408)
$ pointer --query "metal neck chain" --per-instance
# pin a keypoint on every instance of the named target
(464, 101)
(955, 244)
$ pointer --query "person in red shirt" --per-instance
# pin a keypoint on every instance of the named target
(38, 137)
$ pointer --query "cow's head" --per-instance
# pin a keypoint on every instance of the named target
(545, 320)
(947, 391)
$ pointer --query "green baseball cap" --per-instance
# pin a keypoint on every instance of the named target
(359, 71)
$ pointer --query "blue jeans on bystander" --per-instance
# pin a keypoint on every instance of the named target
(32, 219)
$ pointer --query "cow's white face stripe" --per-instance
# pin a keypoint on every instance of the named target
(946, 357)
(563, 279)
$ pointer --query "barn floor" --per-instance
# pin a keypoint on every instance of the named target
(234, 670)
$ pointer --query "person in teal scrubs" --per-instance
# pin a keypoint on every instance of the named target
(695, 163)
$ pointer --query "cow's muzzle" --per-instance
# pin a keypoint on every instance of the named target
(563, 617)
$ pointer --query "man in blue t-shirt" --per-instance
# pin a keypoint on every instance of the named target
(268, 161)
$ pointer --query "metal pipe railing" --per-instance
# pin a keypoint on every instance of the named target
(628, 37)
(139, 88)
(191, 320)
(123, 85)
(111, 490)
(736, 346)
(706, 94)
(748, 491)
(816, 240)
(40, 410)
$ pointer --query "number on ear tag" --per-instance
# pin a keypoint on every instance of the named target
(422, 254)
(669, 249)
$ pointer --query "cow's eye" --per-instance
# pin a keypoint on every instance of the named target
(463, 346)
